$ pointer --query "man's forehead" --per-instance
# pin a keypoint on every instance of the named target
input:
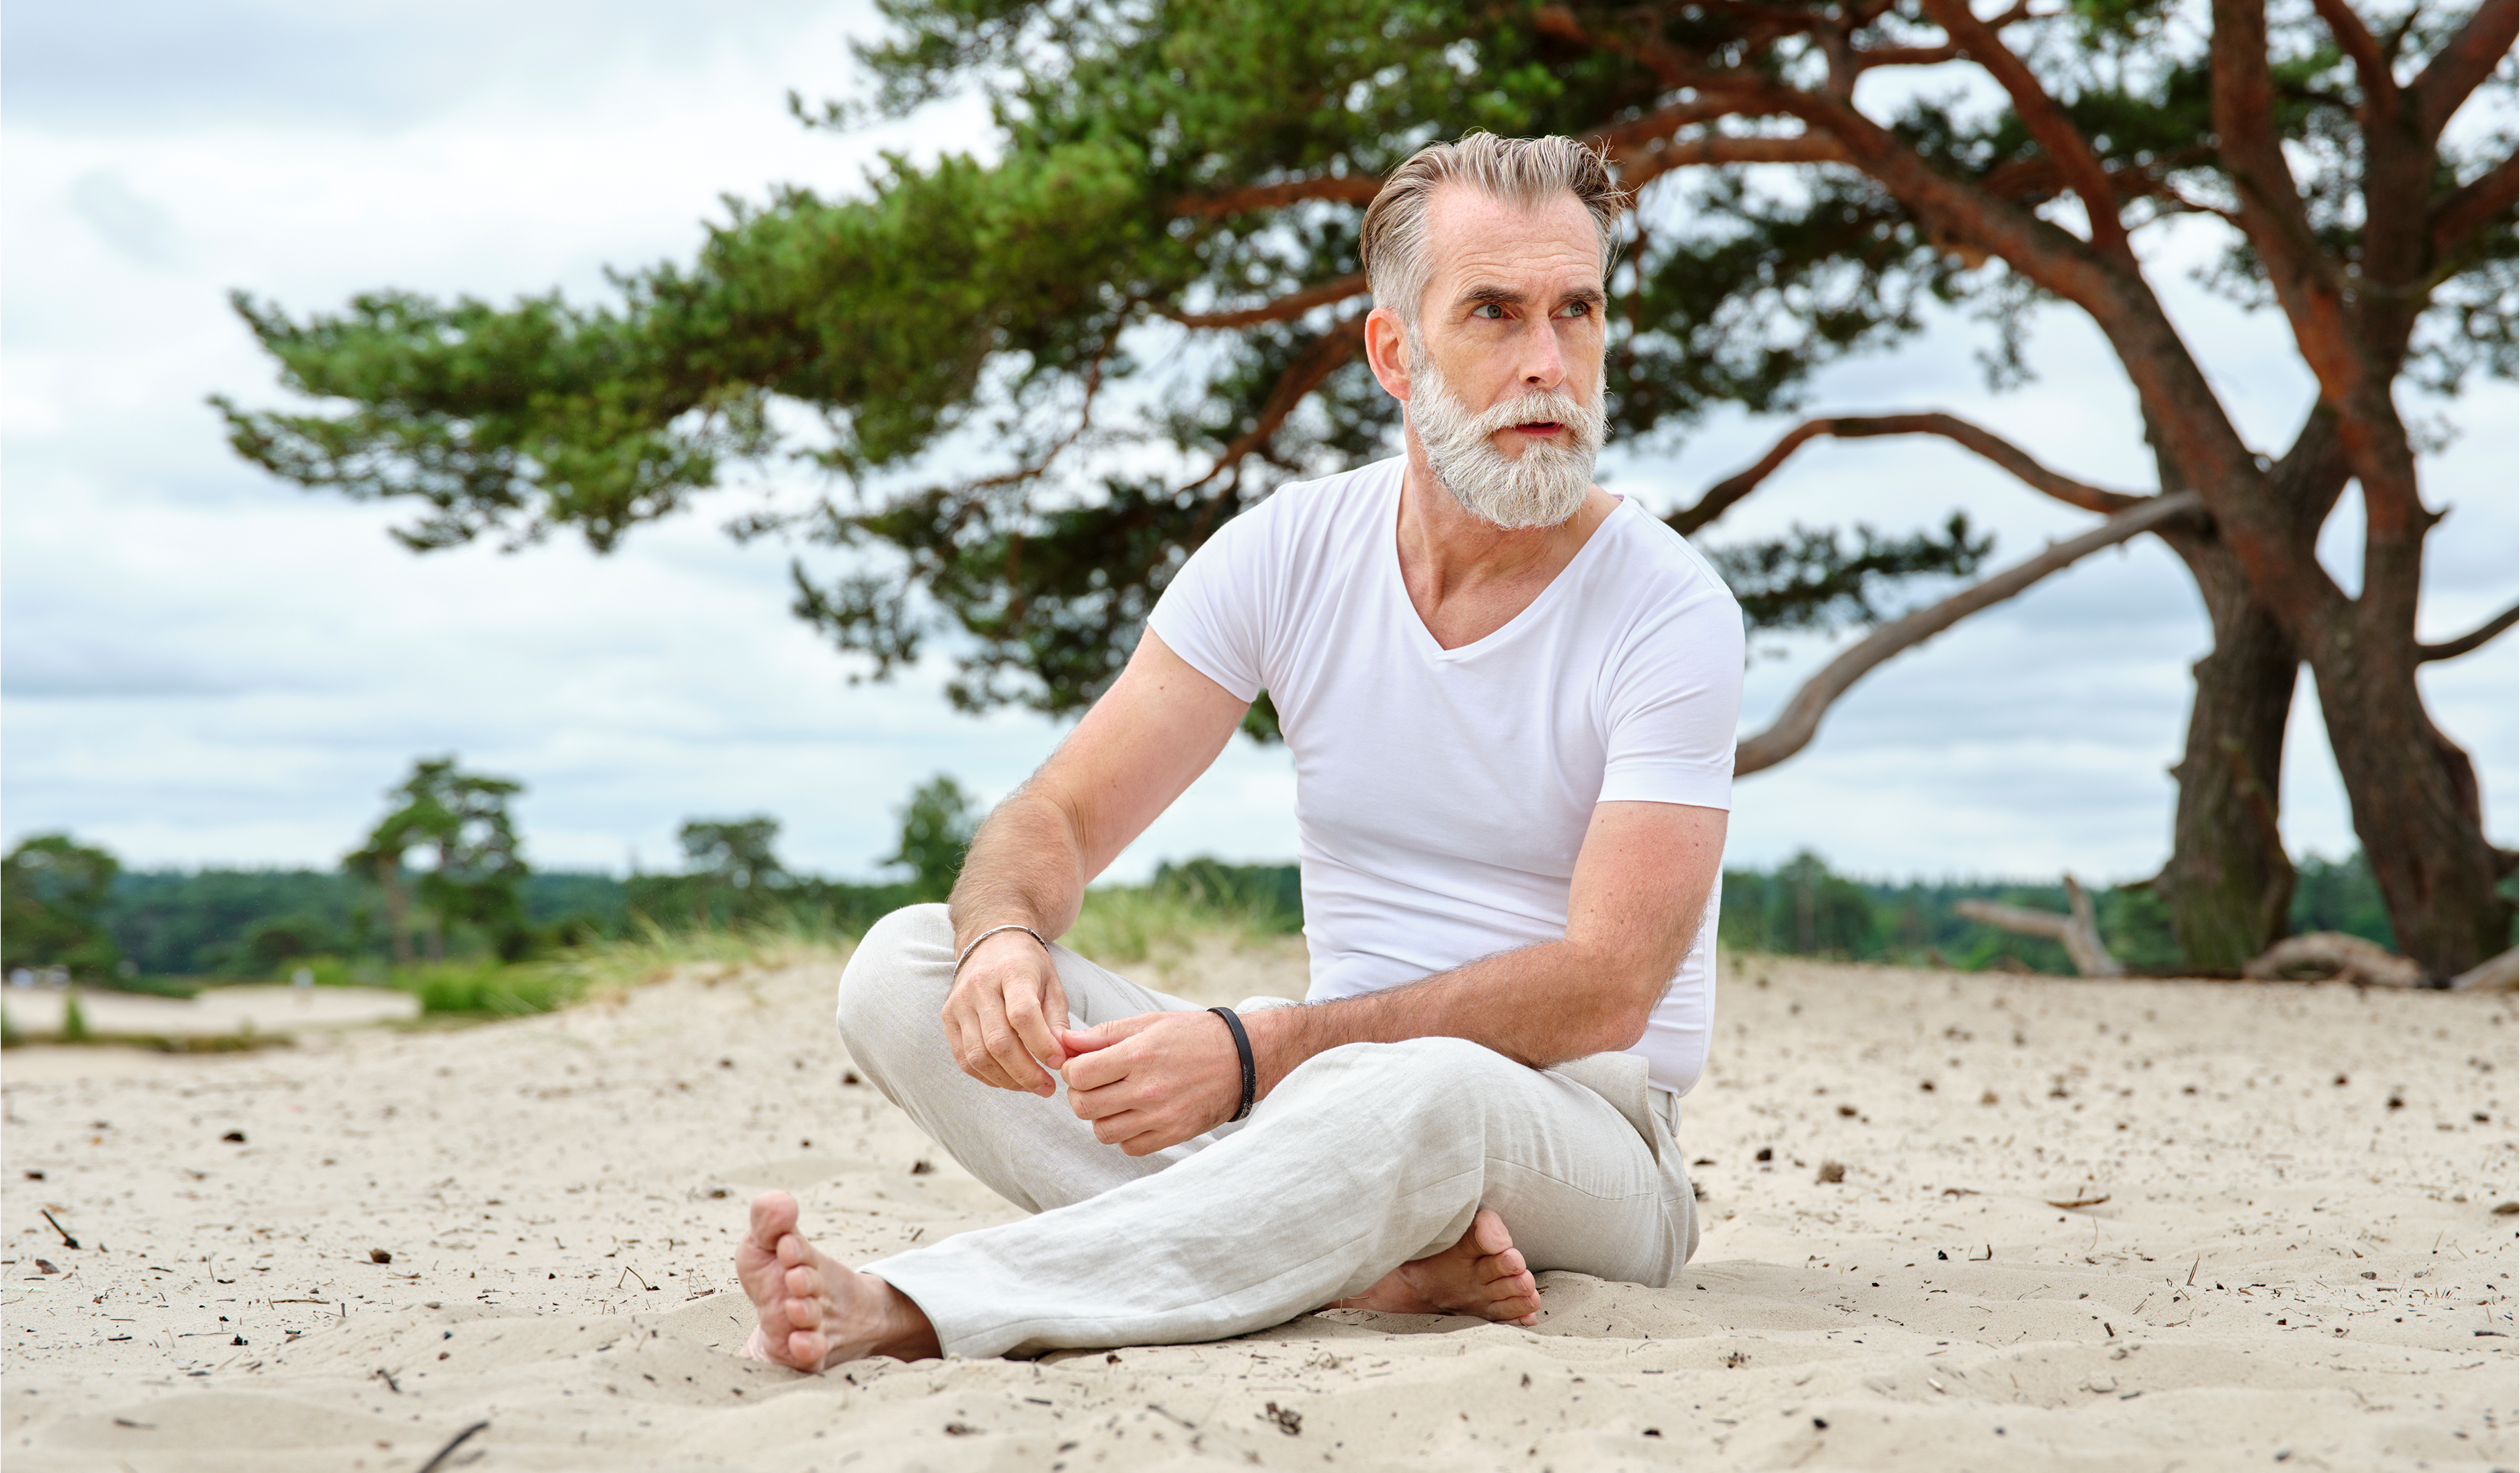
(1472, 235)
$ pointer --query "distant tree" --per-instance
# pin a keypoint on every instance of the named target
(937, 824)
(53, 894)
(461, 820)
(1178, 186)
(733, 863)
(274, 942)
(734, 851)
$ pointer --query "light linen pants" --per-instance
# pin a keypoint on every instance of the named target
(1365, 1157)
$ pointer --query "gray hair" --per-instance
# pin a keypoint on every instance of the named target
(1528, 173)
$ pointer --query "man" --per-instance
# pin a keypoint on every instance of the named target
(1510, 700)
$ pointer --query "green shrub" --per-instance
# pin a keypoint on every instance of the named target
(498, 990)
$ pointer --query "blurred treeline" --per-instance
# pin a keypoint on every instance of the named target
(259, 924)
(1804, 908)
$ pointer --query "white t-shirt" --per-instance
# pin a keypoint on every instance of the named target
(1442, 794)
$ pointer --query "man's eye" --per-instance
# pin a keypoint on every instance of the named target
(1488, 310)
(1577, 310)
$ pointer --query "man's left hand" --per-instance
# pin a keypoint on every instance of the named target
(1153, 1081)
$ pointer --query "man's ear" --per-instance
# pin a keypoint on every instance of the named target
(1386, 351)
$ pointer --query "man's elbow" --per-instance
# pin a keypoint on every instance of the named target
(1620, 1023)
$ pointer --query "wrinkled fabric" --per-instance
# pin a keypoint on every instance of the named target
(1365, 1157)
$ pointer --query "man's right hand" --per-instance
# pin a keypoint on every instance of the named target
(1003, 1018)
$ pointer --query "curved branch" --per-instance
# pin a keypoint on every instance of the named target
(1292, 305)
(1721, 497)
(2474, 639)
(1794, 728)
(2463, 63)
(2046, 121)
(1645, 164)
(2355, 39)
(1864, 59)
(1320, 360)
(2481, 201)
(1347, 189)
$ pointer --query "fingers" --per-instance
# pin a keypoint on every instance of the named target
(1005, 1048)
(1037, 1011)
(1004, 1011)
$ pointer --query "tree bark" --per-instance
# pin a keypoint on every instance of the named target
(2415, 800)
(2228, 884)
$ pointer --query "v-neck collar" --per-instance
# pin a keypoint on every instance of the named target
(1424, 638)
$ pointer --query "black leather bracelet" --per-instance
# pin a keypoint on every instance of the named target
(1243, 1046)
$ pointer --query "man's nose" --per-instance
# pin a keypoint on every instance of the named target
(1541, 365)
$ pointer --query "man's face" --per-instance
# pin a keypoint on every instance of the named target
(1506, 365)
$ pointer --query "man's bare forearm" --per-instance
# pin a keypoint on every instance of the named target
(1540, 1005)
(1026, 868)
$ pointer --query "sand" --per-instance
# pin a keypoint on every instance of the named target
(2289, 1253)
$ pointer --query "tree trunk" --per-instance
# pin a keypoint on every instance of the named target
(2414, 799)
(389, 877)
(2228, 883)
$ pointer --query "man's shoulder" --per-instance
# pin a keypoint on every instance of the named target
(1349, 495)
(1648, 561)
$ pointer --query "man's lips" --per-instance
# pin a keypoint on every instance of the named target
(1540, 427)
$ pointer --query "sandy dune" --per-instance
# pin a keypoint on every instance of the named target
(2291, 1253)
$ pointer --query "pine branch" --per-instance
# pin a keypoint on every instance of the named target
(1292, 305)
(2463, 63)
(2480, 201)
(2474, 639)
(1320, 358)
(2370, 64)
(1799, 722)
(1346, 189)
(1721, 497)
(2046, 121)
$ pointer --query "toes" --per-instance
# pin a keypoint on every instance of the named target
(1488, 1233)
(773, 1216)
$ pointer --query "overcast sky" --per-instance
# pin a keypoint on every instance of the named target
(204, 667)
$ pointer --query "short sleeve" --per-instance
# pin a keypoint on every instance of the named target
(1675, 704)
(1214, 610)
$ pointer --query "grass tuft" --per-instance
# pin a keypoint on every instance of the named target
(603, 968)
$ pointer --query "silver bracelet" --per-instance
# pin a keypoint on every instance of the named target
(992, 931)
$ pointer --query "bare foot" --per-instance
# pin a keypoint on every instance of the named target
(815, 1310)
(1482, 1275)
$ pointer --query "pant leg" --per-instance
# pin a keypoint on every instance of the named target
(1366, 1156)
(1032, 1151)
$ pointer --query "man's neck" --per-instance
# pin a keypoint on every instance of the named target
(1468, 577)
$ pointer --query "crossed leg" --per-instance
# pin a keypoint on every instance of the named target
(1387, 1148)
(816, 1312)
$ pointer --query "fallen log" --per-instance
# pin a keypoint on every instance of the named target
(2495, 973)
(2333, 955)
(2079, 932)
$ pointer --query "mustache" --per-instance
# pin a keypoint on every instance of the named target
(1536, 408)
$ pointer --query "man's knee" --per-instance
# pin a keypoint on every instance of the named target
(895, 983)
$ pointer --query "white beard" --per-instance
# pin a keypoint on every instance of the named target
(1541, 487)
